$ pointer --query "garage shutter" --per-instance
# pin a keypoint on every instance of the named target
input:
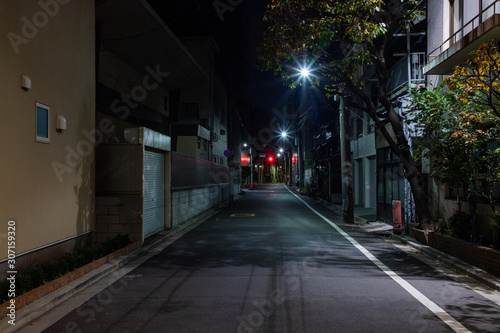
(154, 193)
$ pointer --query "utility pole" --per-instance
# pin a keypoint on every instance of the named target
(300, 166)
(251, 169)
(345, 163)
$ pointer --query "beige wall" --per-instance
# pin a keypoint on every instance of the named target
(59, 58)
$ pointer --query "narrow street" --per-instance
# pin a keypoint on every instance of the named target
(278, 262)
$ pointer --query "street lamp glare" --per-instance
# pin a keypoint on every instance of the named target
(305, 72)
(283, 134)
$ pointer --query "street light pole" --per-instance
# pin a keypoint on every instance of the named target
(251, 169)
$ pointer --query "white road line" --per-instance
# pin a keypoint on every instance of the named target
(477, 287)
(443, 315)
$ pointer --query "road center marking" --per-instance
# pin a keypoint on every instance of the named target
(440, 313)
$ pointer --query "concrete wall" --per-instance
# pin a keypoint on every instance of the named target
(437, 23)
(188, 145)
(443, 206)
(46, 187)
(188, 203)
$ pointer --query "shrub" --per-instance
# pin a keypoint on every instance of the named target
(460, 224)
(40, 274)
(495, 224)
(443, 227)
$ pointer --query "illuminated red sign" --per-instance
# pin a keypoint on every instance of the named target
(244, 159)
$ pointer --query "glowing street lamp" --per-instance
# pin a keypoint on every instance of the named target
(305, 72)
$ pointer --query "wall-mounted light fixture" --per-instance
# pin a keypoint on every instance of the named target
(25, 82)
(61, 124)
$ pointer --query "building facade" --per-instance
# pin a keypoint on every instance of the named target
(162, 112)
(47, 87)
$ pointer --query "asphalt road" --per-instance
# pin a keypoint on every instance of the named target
(278, 262)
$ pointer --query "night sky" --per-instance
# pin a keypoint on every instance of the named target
(238, 31)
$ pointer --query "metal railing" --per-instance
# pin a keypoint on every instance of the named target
(485, 14)
(405, 72)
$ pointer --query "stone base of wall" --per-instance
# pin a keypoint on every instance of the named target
(482, 257)
(118, 215)
(189, 203)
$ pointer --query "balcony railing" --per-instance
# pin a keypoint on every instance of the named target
(491, 10)
(405, 72)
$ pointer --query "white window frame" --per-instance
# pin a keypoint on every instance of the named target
(42, 139)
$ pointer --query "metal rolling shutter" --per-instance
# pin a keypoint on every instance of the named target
(154, 193)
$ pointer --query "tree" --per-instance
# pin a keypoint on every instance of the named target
(461, 126)
(308, 31)
(479, 77)
(457, 135)
(475, 86)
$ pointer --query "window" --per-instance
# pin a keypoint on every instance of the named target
(42, 123)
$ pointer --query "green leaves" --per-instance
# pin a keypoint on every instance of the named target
(328, 30)
(479, 77)
(462, 136)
